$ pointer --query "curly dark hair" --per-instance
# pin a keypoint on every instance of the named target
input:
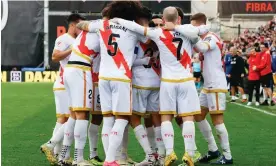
(124, 9)
(145, 13)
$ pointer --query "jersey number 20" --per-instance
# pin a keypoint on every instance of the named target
(180, 42)
(113, 43)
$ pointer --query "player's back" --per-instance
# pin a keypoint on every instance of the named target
(117, 51)
(213, 73)
(146, 75)
(175, 55)
(85, 47)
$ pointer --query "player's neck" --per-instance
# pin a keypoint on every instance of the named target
(71, 33)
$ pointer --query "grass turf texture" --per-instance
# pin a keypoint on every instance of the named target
(28, 118)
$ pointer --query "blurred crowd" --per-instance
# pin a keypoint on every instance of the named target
(249, 62)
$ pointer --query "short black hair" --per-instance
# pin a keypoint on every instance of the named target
(124, 9)
(180, 13)
(145, 13)
(151, 24)
(105, 12)
(156, 16)
(74, 17)
(200, 17)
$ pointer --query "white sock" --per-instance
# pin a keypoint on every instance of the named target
(151, 137)
(224, 140)
(233, 97)
(244, 96)
(122, 150)
(57, 126)
(69, 132)
(115, 139)
(206, 131)
(80, 135)
(108, 123)
(159, 141)
(58, 136)
(142, 138)
(188, 133)
(93, 136)
(168, 136)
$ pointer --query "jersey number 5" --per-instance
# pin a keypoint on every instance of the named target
(113, 51)
(180, 42)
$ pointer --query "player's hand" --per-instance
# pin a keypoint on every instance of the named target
(203, 29)
(242, 75)
(229, 75)
(254, 67)
(115, 20)
(169, 26)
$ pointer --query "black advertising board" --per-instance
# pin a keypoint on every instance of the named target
(227, 8)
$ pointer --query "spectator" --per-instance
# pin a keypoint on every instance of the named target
(236, 75)
(273, 58)
(197, 71)
(253, 77)
(227, 64)
(264, 68)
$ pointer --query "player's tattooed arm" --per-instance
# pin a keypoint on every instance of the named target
(83, 25)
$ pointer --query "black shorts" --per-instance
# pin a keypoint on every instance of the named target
(197, 74)
(236, 81)
(266, 80)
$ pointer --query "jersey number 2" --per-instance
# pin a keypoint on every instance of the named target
(180, 42)
(113, 43)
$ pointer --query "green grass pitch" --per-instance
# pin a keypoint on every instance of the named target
(28, 118)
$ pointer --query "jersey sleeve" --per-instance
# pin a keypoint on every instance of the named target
(61, 45)
(149, 32)
(142, 39)
(94, 25)
(205, 45)
(188, 31)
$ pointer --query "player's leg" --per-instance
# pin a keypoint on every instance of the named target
(167, 111)
(188, 106)
(93, 137)
(106, 106)
(53, 146)
(257, 92)
(153, 109)
(218, 100)
(150, 131)
(81, 88)
(64, 157)
(139, 110)
(121, 106)
(93, 130)
(206, 129)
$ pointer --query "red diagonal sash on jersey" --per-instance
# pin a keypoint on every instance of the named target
(185, 58)
(82, 47)
(155, 69)
(119, 57)
(61, 75)
(218, 43)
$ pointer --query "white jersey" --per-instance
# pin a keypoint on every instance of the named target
(213, 73)
(63, 43)
(175, 50)
(96, 68)
(85, 47)
(147, 75)
(117, 49)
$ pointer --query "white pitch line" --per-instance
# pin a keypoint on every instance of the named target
(256, 109)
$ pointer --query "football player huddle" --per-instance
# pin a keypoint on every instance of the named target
(128, 66)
